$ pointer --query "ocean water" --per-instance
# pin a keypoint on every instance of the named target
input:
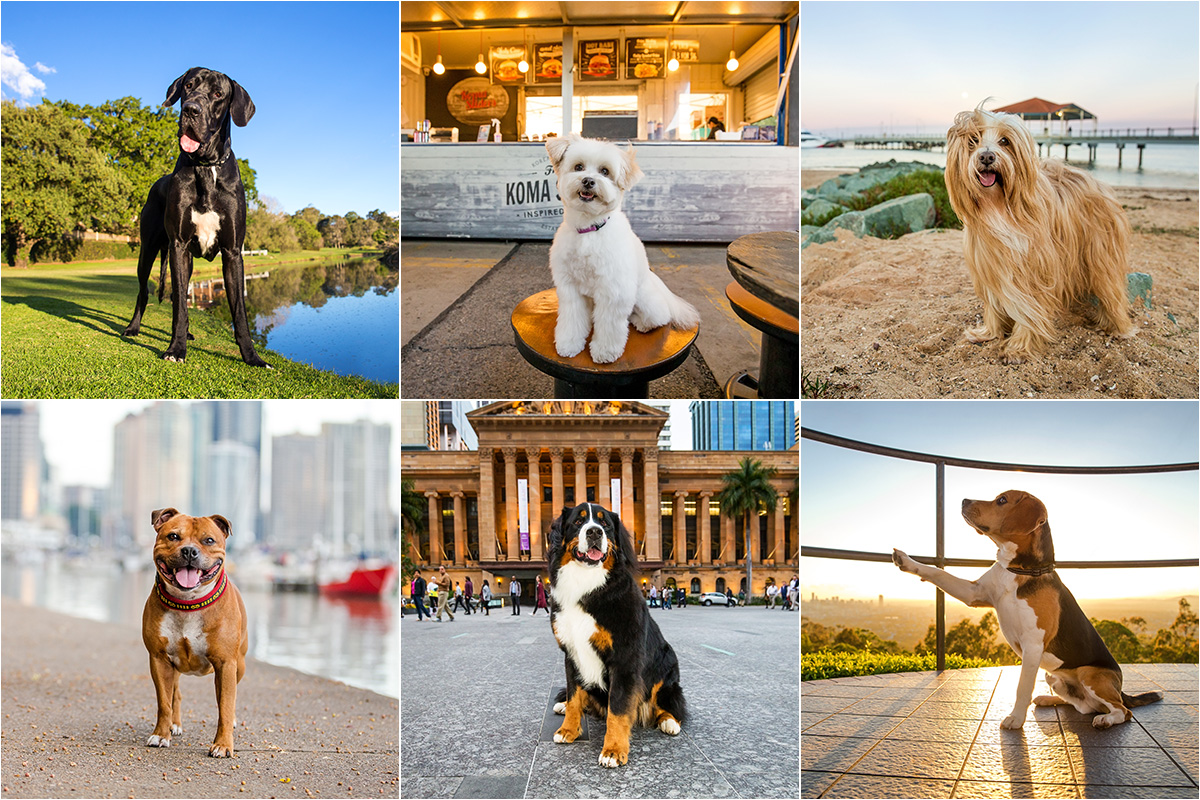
(1165, 166)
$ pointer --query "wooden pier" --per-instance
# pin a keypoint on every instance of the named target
(1138, 138)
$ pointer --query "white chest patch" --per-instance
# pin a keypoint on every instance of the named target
(177, 626)
(206, 225)
(574, 627)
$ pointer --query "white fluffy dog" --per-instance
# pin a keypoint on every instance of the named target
(598, 263)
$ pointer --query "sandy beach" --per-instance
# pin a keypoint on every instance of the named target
(885, 318)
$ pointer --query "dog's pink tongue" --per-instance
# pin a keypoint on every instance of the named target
(188, 578)
(594, 554)
(188, 144)
(987, 178)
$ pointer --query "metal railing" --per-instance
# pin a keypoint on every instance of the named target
(940, 560)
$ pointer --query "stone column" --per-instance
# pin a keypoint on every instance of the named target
(487, 505)
(434, 521)
(778, 544)
(651, 504)
(626, 511)
(579, 454)
(728, 550)
(556, 480)
(704, 527)
(794, 538)
(460, 529)
(536, 534)
(603, 489)
(679, 526)
(513, 535)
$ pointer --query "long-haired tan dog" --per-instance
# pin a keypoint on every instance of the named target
(1041, 236)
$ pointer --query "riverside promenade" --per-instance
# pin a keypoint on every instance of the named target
(478, 718)
(78, 704)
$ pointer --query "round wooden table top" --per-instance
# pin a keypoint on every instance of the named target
(768, 266)
(647, 355)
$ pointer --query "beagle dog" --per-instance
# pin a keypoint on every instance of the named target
(1038, 616)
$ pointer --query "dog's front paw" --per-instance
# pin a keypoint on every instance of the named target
(1013, 721)
(176, 354)
(158, 741)
(979, 335)
(565, 736)
(221, 750)
(605, 352)
(176, 730)
(560, 708)
(669, 726)
(613, 757)
(901, 560)
(569, 343)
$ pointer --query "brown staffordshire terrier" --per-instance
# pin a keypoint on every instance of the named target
(194, 622)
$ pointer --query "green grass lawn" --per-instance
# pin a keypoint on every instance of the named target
(60, 337)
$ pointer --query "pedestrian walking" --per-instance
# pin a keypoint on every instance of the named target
(447, 589)
(783, 597)
(682, 598)
(772, 593)
(653, 596)
(666, 597)
(486, 595)
(514, 594)
(728, 597)
(794, 594)
(458, 596)
(541, 597)
(468, 591)
(418, 595)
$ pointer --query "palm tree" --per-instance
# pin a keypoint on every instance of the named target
(744, 491)
(413, 510)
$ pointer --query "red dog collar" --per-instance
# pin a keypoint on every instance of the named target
(191, 605)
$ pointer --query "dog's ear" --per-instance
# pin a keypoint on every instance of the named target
(630, 172)
(223, 524)
(160, 517)
(176, 89)
(241, 108)
(557, 148)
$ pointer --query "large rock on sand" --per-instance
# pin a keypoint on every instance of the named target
(885, 221)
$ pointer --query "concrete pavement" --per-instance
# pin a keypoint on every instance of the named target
(78, 705)
(477, 718)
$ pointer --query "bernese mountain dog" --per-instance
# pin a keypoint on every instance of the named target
(619, 666)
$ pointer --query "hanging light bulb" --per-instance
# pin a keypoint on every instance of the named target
(480, 67)
(732, 63)
(438, 67)
(673, 64)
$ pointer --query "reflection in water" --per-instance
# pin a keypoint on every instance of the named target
(340, 316)
(355, 641)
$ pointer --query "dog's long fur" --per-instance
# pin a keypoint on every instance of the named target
(598, 263)
(1041, 236)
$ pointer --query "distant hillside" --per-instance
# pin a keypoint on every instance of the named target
(906, 621)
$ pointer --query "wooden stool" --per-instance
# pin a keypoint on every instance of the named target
(779, 356)
(647, 355)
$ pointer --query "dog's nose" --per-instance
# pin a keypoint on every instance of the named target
(189, 552)
(190, 109)
(588, 183)
(966, 503)
(987, 158)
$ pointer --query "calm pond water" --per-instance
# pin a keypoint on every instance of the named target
(341, 316)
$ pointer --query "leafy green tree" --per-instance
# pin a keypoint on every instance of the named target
(413, 511)
(52, 182)
(309, 214)
(388, 231)
(333, 230)
(1177, 644)
(747, 491)
(307, 233)
(140, 142)
(971, 641)
(1122, 642)
(250, 181)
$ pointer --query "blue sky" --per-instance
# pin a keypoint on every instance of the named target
(857, 501)
(911, 66)
(324, 77)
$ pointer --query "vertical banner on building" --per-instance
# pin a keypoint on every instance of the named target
(614, 491)
(523, 511)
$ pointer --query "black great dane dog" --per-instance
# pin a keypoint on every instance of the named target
(200, 208)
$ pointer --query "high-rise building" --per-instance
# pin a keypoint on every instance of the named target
(298, 492)
(743, 425)
(153, 468)
(22, 460)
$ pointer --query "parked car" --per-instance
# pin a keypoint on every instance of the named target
(709, 598)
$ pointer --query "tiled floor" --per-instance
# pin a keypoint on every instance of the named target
(925, 734)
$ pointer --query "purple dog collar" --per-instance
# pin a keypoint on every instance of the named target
(595, 227)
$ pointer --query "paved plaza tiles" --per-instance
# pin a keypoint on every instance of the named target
(476, 718)
(925, 734)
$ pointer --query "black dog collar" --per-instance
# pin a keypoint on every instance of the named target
(1045, 569)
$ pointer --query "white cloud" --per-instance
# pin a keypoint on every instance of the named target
(16, 76)
(42, 68)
